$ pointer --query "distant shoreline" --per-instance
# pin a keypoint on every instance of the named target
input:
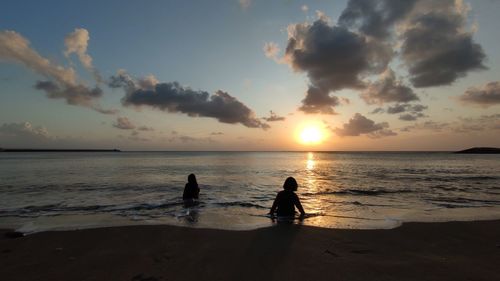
(480, 150)
(475, 150)
(58, 150)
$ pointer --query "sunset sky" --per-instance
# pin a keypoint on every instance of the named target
(250, 75)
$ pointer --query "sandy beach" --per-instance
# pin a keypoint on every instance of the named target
(414, 251)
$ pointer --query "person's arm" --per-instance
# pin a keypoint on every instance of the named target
(299, 205)
(197, 192)
(185, 193)
(273, 208)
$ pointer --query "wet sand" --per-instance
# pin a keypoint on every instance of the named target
(414, 251)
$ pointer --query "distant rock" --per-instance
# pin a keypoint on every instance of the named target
(480, 150)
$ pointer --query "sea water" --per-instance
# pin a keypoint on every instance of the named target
(45, 191)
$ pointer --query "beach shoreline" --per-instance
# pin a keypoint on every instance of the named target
(414, 251)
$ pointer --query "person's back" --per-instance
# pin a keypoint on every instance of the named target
(191, 189)
(286, 200)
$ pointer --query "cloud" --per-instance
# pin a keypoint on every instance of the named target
(273, 117)
(73, 94)
(411, 112)
(411, 116)
(15, 48)
(399, 108)
(377, 110)
(375, 18)
(427, 125)
(25, 135)
(319, 101)
(77, 42)
(123, 123)
(359, 125)
(188, 139)
(483, 123)
(427, 36)
(245, 4)
(388, 89)
(23, 132)
(62, 81)
(271, 50)
(172, 97)
(216, 133)
(334, 58)
(485, 96)
(304, 8)
(436, 47)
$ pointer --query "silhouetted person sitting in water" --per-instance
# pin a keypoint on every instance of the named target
(287, 200)
(191, 190)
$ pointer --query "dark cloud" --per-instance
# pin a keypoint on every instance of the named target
(411, 116)
(216, 133)
(359, 125)
(172, 97)
(431, 38)
(399, 108)
(486, 96)
(73, 94)
(319, 101)
(411, 112)
(377, 110)
(334, 58)
(436, 46)
(123, 123)
(388, 89)
(273, 117)
(375, 18)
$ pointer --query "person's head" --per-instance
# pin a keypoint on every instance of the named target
(192, 179)
(290, 184)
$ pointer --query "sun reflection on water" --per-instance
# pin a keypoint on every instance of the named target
(310, 161)
(311, 201)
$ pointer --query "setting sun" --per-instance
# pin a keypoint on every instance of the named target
(310, 135)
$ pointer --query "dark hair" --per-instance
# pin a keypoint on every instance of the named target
(290, 184)
(192, 179)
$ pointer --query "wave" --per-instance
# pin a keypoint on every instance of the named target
(241, 204)
(369, 192)
(461, 202)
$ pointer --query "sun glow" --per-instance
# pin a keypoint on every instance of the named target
(310, 135)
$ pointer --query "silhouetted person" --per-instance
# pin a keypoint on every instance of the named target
(287, 200)
(191, 190)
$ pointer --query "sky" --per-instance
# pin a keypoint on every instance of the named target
(250, 75)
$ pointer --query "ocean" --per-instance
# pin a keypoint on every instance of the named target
(363, 190)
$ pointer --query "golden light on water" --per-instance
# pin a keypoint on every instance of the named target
(310, 161)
